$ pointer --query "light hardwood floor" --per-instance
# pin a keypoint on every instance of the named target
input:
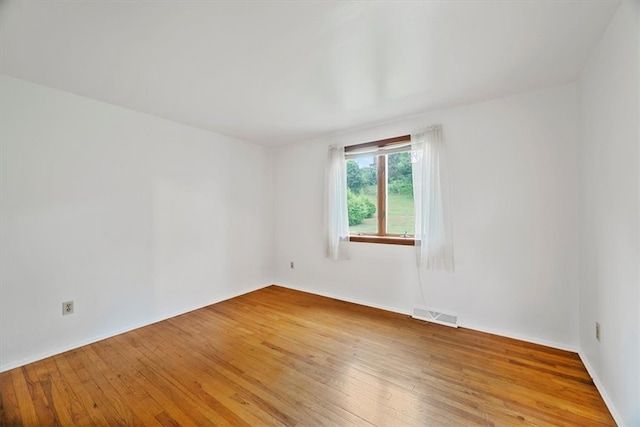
(282, 357)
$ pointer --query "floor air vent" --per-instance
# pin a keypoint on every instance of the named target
(435, 317)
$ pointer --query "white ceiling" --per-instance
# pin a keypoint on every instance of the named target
(276, 72)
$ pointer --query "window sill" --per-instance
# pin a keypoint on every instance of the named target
(389, 240)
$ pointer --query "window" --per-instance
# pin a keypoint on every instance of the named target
(380, 191)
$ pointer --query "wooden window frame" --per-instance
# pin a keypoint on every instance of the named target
(381, 236)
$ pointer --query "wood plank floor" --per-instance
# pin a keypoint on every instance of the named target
(282, 357)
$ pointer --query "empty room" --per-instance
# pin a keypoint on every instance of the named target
(306, 213)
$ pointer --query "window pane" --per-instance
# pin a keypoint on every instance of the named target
(362, 194)
(400, 216)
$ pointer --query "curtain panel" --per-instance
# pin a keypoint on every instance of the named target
(433, 230)
(337, 217)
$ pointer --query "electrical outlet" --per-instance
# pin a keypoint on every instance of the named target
(598, 331)
(67, 308)
(291, 265)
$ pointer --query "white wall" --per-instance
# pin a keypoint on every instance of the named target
(610, 214)
(513, 168)
(133, 217)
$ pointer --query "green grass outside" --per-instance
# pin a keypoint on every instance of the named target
(400, 216)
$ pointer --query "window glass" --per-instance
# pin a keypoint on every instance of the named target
(400, 215)
(362, 194)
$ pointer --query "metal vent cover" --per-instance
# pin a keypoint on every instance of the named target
(434, 316)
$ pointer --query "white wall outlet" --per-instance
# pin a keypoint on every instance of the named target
(598, 331)
(67, 308)
(291, 265)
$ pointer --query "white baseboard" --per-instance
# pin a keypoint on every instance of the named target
(603, 392)
(546, 343)
(78, 344)
(345, 299)
(519, 337)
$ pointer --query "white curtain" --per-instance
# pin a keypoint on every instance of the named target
(434, 239)
(337, 217)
